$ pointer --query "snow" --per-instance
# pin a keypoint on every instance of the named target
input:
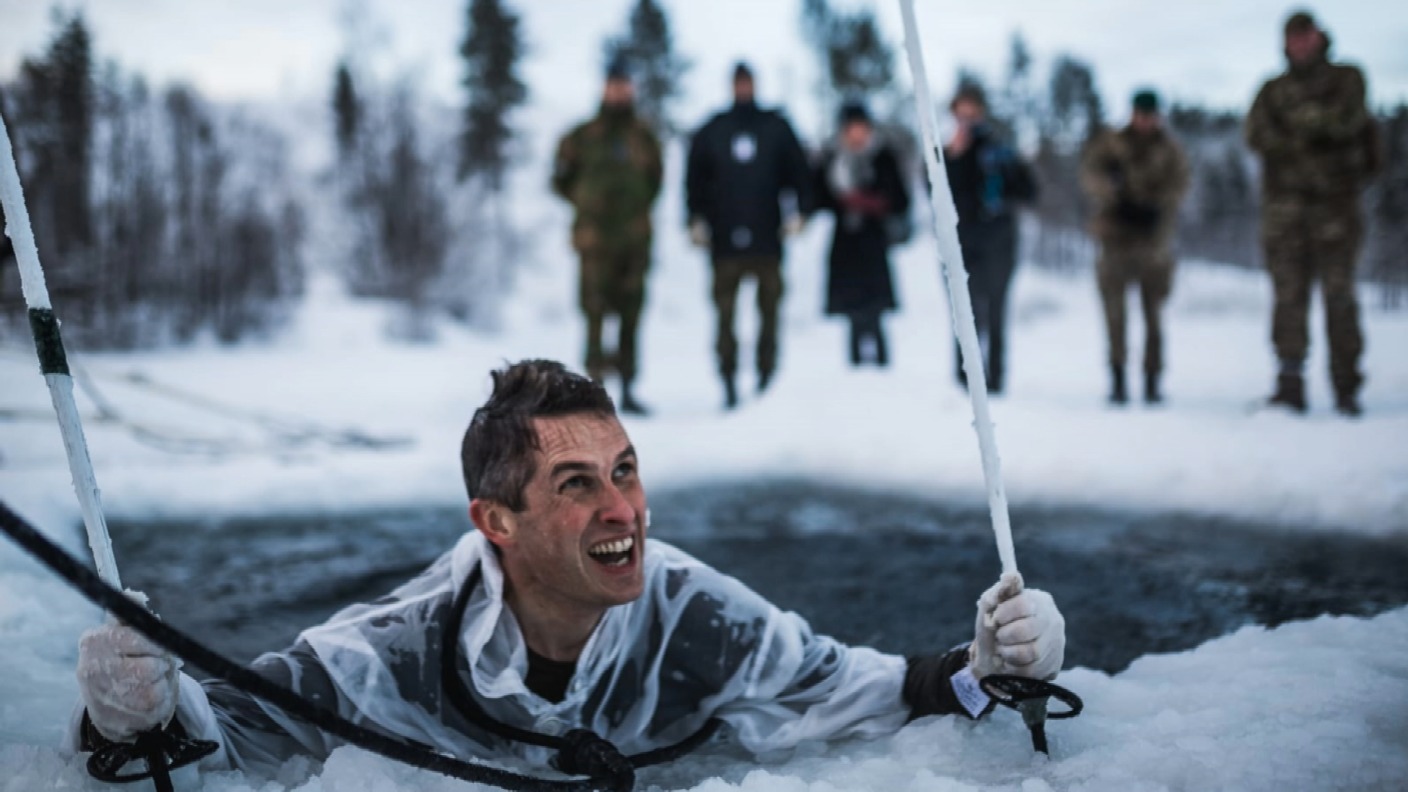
(1310, 705)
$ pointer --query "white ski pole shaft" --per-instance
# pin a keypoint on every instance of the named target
(951, 259)
(52, 361)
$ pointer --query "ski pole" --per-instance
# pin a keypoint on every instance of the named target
(1027, 696)
(53, 363)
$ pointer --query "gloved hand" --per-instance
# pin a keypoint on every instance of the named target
(128, 683)
(793, 226)
(1136, 214)
(1017, 632)
(699, 233)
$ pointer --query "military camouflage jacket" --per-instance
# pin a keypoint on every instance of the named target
(1314, 133)
(1136, 181)
(609, 169)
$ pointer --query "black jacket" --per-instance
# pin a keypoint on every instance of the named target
(987, 180)
(858, 270)
(740, 163)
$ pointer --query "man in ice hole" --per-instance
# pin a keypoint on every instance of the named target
(568, 620)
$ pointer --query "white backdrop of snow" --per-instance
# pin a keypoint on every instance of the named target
(1322, 704)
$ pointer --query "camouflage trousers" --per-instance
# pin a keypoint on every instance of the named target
(1124, 263)
(613, 283)
(1305, 241)
(728, 276)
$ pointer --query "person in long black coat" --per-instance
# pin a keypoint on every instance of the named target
(860, 181)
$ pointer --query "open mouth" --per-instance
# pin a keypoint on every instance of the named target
(614, 553)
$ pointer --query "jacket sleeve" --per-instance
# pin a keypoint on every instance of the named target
(253, 736)
(565, 166)
(1099, 172)
(1338, 121)
(1266, 132)
(699, 177)
(796, 175)
(655, 167)
(890, 179)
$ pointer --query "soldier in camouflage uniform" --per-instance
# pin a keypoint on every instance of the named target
(609, 169)
(1319, 146)
(1136, 177)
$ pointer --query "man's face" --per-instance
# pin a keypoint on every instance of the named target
(1303, 45)
(855, 135)
(743, 89)
(1144, 122)
(579, 543)
(968, 113)
(618, 93)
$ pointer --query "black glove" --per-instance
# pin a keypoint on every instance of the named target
(1137, 215)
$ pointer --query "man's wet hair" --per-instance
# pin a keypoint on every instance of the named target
(497, 454)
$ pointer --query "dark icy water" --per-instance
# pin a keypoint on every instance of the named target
(894, 572)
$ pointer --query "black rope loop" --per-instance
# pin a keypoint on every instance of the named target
(1010, 691)
(160, 749)
(584, 753)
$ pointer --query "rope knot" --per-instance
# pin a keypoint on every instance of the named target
(584, 753)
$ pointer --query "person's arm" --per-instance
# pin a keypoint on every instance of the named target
(698, 178)
(822, 194)
(1266, 132)
(654, 166)
(564, 167)
(796, 175)
(1338, 121)
(1100, 172)
(891, 181)
(129, 685)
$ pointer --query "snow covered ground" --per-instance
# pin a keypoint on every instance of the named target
(1220, 716)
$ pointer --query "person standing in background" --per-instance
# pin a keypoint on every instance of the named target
(741, 164)
(860, 181)
(988, 180)
(1136, 177)
(1319, 146)
(609, 169)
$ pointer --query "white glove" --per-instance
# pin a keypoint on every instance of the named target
(699, 233)
(128, 683)
(793, 226)
(1018, 632)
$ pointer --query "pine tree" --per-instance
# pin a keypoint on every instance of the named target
(1076, 109)
(648, 48)
(491, 50)
(347, 110)
(855, 58)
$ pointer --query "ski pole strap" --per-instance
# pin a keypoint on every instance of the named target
(1029, 697)
(163, 750)
(47, 342)
(95, 590)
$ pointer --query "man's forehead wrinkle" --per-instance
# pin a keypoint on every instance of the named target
(561, 439)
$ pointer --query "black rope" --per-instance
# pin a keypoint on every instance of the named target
(87, 582)
(579, 751)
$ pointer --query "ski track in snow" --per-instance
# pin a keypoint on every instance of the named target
(1322, 704)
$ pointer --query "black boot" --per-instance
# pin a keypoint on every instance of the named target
(1119, 391)
(1347, 404)
(1152, 394)
(764, 380)
(1290, 392)
(629, 405)
(730, 392)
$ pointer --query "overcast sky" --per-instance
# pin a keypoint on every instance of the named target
(1214, 52)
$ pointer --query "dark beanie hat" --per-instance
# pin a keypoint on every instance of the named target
(741, 71)
(1146, 101)
(618, 69)
(1300, 22)
(853, 111)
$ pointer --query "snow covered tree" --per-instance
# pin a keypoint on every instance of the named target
(648, 48)
(491, 49)
(347, 109)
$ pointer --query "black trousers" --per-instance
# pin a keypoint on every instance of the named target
(864, 325)
(990, 256)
